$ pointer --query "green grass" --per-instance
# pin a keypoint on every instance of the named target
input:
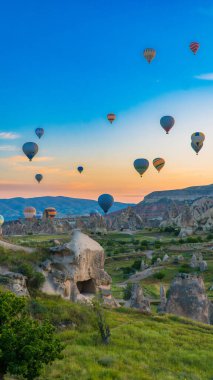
(141, 348)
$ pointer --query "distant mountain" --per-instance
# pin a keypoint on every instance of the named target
(158, 204)
(13, 208)
(186, 194)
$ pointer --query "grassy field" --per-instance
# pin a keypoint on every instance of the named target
(141, 347)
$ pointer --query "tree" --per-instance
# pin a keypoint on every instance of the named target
(25, 344)
(103, 327)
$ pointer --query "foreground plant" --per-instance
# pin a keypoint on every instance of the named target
(25, 344)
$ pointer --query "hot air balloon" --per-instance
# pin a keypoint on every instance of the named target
(197, 147)
(39, 132)
(141, 165)
(29, 213)
(194, 46)
(111, 117)
(197, 137)
(39, 215)
(167, 123)
(149, 54)
(158, 163)
(38, 177)
(105, 201)
(30, 149)
(80, 169)
(1, 220)
(50, 213)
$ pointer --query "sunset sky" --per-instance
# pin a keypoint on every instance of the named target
(65, 64)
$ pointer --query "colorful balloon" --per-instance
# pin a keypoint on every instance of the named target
(30, 149)
(149, 54)
(158, 163)
(1, 220)
(29, 213)
(50, 213)
(194, 46)
(141, 165)
(105, 201)
(111, 117)
(80, 169)
(197, 137)
(39, 132)
(167, 123)
(197, 147)
(39, 215)
(38, 177)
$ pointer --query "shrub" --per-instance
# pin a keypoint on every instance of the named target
(127, 292)
(159, 275)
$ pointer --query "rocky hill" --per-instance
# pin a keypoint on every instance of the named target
(13, 208)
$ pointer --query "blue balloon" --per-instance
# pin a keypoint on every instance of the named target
(39, 132)
(80, 169)
(30, 149)
(105, 201)
(38, 177)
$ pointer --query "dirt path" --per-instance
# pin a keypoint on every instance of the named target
(15, 248)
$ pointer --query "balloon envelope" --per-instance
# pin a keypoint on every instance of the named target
(196, 147)
(30, 149)
(80, 169)
(111, 117)
(149, 54)
(167, 123)
(38, 177)
(141, 165)
(194, 46)
(105, 201)
(39, 132)
(158, 163)
(29, 212)
(1, 220)
(198, 137)
(50, 212)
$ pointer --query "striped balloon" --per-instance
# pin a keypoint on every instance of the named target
(141, 165)
(50, 212)
(158, 163)
(149, 54)
(194, 46)
(111, 117)
(29, 212)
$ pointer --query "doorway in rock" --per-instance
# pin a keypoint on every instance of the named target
(86, 287)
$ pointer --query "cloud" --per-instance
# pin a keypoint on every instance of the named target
(9, 136)
(8, 148)
(208, 76)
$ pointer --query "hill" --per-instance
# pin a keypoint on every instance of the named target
(13, 208)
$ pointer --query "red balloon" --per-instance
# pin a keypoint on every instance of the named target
(194, 46)
(111, 117)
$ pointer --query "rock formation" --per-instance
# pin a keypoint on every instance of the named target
(76, 270)
(15, 282)
(162, 306)
(138, 300)
(187, 298)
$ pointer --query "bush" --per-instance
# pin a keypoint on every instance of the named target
(127, 292)
(136, 265)
(159, 275)
(185, 268)
(34, 279)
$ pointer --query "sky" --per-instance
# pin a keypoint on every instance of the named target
(66, 64)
